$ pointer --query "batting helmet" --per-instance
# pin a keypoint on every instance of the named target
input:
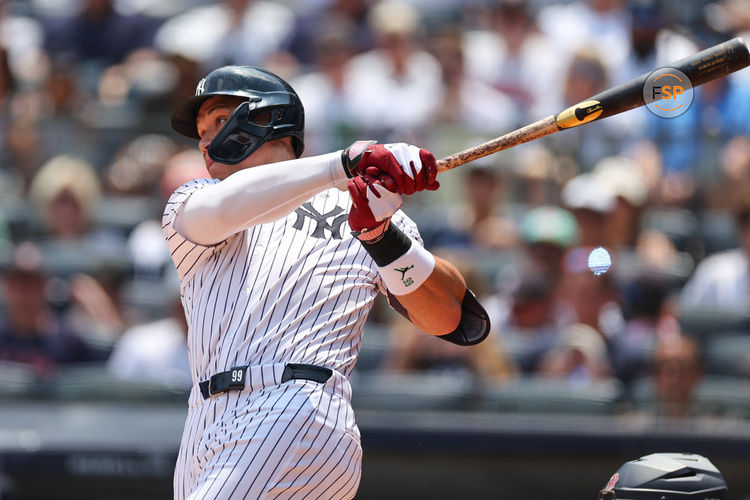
(241, 135)
(666, 476)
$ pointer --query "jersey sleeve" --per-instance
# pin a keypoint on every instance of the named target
(186, 255)
(409, 227)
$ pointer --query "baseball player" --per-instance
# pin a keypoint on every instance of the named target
(276, 289)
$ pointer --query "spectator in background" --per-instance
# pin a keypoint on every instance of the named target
(139, 165)
(601, 25)
(586, 298)
(8, 86)
(514, 57)
(96, 37)
(548, 232)
(579, 356)
(315, 22)
(722, 107)
(623, 178)
(644, 310)
(652, 43)
(45, 120)
(5, 238)
(525, 323)
(30, 332)
(468, 104)
(66, 192)
(677, 372)
(156, 351)
(589, 299)
(329, 122)
(585, 76)
(59, 115)
(21, 39)
(591, 201)
(525, 312)
(399, 81)
(479, 221)
(231, 32)
(538, 174)
(735, 179)
(8, 82)
(722, 281)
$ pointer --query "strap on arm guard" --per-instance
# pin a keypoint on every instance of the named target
(474, 325)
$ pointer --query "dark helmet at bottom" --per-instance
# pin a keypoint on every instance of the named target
(666, 476)
(265, 94)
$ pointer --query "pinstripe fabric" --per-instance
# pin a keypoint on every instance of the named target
(295, 290)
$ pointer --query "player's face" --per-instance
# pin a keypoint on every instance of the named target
(212, 115)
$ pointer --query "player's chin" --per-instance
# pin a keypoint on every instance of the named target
(219, 170)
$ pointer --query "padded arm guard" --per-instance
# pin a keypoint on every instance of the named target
(474, 325)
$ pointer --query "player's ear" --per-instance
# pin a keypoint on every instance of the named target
(285, 143)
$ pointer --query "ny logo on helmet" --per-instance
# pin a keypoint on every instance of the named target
(321, 222)
(201, 87)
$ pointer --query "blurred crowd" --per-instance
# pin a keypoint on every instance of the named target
(88, 161)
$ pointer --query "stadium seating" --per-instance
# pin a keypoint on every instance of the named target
(539, 394)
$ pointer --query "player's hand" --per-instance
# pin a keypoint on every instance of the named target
(411, 168)
(372, 204)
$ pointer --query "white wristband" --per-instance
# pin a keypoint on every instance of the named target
(408, 272)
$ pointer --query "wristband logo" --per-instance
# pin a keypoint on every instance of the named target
(406, 281)
(668, 92)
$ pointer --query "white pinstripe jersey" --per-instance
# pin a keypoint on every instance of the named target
(294, 290)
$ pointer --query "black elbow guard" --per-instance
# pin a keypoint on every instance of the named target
(474, 325)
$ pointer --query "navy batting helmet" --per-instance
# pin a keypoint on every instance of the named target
(666, 476)
(242, 134)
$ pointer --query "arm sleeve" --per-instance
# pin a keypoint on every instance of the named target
(255, 196)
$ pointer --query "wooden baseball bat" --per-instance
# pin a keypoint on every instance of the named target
(710, 64)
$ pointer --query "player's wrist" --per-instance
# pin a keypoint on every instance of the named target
(402, 262)
(374, 234)
(351, 156)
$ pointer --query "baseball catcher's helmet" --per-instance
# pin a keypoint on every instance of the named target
(241, 135)
(666, 476)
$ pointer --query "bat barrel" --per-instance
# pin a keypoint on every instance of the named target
(709, 64)
(714, 62)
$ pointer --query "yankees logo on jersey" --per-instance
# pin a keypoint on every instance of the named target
(321, 220)
(295, 290)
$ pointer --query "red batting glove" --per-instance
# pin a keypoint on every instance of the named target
(372, 206)
(413, 169)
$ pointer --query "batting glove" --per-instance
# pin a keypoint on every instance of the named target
(411, 168)
(372, 207)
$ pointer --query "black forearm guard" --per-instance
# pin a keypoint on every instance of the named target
(474, 325)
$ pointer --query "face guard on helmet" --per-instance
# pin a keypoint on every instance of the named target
(271, 110)
(666, 476)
